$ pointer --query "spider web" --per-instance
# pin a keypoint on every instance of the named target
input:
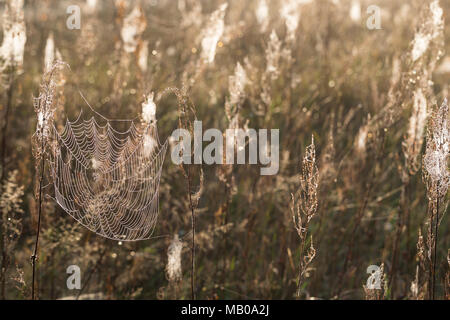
(106, 179)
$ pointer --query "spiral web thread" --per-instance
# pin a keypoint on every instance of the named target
(108, 180)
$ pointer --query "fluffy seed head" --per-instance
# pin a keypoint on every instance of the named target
(173, 268)
(149, 109)
(262, 14)
(435, 161)
(212, 33)
(14, 34)
(133, 27)
(414, 140)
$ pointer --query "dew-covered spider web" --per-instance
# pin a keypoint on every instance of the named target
(106, 179)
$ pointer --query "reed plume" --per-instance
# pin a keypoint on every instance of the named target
(437, 178)
(44, 106)
(304, 208)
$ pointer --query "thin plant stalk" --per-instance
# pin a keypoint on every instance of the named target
(360, 214)
(193, 236)
(191, 205)
(402, 216)
(93, 270)
(184, 122)
(435, 248)
(430, 262)
(36, 244)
